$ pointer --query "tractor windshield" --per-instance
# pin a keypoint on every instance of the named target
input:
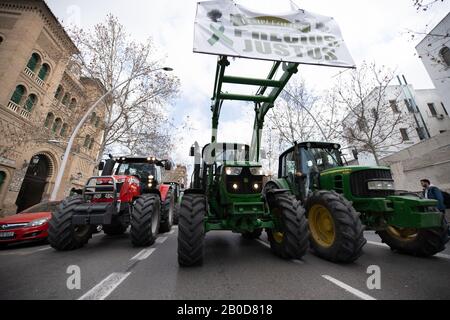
(226, 152)
(140, 170)
(320, 159)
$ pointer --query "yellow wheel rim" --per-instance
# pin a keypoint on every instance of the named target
(321, 225)
(278, 237)
(403, 234)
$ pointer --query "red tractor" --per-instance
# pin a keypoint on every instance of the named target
(129, 192)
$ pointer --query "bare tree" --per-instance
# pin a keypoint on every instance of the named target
(373, 119)
(424, 5)
(135, 113)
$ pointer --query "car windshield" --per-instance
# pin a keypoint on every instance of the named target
(320, 159)
(142, 170)
(42, 207)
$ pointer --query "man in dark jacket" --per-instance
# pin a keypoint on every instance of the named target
(432, 192)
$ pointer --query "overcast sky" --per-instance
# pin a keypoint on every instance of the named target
(374, 30)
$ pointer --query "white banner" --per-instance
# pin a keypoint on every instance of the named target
(226, 28)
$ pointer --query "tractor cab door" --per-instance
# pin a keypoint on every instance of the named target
(290, 171)
(309, 168)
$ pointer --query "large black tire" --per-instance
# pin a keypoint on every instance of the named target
(252, 235)
(167, 213)
(62, 234)
(348, 241)
(419, 242)
(290, 240)
(114, 229)
(191, 230)
(145, 218)
(176, 214)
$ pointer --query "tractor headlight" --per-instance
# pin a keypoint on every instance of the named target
(233, 171)
(381, 185)
(257, 171)
(235, 186)
(256, 186)
(151, 177)
(37, 222)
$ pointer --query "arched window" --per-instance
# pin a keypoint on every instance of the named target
(43, 73)
(73, 103)
(87, 141)
(33, 62)
(65, 100)
(1, 39)
(91, 144)
(445, 54)
(31, 102)
(64, 129)
(93, 118)
(57, 125)
(97, 122)
(49, 120)
(18, 94)
(59, 92)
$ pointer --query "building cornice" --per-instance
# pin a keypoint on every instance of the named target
(47, 16)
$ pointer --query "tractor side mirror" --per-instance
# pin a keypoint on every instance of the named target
(192, 152)
(168, 165)
(101, 165)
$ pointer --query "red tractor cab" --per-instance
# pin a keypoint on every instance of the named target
(128, 193)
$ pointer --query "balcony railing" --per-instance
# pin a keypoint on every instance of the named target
(20, 110)
(33, 76)
(29, 73)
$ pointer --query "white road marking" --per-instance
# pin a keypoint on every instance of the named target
(161, 240)
(297, 261)
(263, 243)
(102, 290)
(379, 244)
(172, 231)
(143, 254)
(348, 288)
(43, 249)
(442, 255)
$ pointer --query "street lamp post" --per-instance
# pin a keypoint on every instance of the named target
(65, 159)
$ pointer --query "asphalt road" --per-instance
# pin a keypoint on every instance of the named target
(234, 268)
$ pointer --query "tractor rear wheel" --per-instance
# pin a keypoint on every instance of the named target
(289, 239)
(114, 229)
(62, 234)
(252, 235)
(416, 242)
(191, 230)
(168, 208)
(337, 234)
(145, 220)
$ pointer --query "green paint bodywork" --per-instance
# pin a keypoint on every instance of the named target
(236, 212)
(376, 212)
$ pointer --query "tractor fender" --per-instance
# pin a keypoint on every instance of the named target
(163, 191)
(274, 187)
(194, 191)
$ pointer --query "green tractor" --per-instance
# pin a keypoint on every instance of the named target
(342, 201)
(227, 182)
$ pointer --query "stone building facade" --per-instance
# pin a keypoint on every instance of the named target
(42, 98)
(179, 175)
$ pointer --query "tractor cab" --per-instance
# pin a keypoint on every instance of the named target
(303, 164)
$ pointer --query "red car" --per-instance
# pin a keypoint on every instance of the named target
(31, 224)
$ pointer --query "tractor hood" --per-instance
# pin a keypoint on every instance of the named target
(350, 169)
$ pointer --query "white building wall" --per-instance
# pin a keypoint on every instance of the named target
(436, 123)
(429, 50)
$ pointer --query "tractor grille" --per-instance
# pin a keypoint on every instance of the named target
(359, 180)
